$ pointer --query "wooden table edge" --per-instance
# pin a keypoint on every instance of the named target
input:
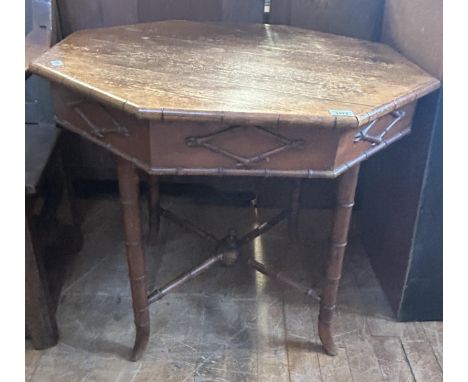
(230, 117)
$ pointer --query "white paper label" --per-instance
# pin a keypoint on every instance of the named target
(341, 113)
(56, 63)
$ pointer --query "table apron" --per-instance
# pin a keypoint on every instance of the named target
(184, 148)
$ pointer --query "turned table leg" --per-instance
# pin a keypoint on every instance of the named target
(342, 216)
(293, 218)
(128, 186)
(154, 212)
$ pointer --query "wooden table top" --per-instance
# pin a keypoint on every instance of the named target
(246, 73)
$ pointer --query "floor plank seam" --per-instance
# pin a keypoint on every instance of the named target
(283, 308)
(379, 362)
(383, 336)
(315, 336)
(319, 367)
(213, 353)
(136, 372)
(432, 347)
(247, 344)
(347, 360)
(31, 376)
(407, 360)
(437, 359)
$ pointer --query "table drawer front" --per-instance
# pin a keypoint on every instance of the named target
(106, 126)
(180, 146)
(165, 147)
(308, 150)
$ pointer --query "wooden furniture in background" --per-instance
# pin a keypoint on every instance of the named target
(40, 317)
(402, 225)
(49, 239)
(353, 18)
(46, 188)
(44, 30)
(188, 98)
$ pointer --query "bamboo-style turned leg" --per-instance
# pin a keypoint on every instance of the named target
(128, 185)
(344, 206)
(293, 218)
(154, 211)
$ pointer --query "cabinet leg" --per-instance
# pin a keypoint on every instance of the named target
(128, 186)
(154, 213)
(342, 217)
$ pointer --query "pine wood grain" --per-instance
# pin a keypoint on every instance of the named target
(260, 73)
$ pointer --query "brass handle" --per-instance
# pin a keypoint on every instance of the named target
(364, 135)
(96, 131)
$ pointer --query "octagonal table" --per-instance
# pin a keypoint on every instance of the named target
(190, 98)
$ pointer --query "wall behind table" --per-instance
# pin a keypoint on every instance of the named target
(84, 14)
(400, 189)
(354, 18)
(37, 91)
(422, 298)
(402, 210)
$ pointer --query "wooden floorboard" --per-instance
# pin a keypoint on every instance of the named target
(230, 324)
(434, 334)
(271, 354)
(362, 360)
(420, 354)
(302, 342)
(335, 369)
(391, 358)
